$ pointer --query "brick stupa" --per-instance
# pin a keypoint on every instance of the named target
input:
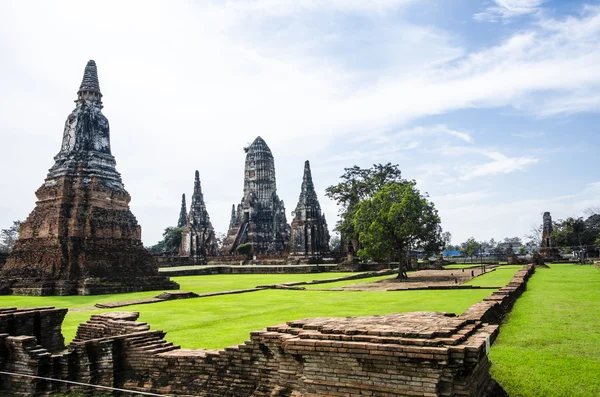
(81, 238)
(309, 236)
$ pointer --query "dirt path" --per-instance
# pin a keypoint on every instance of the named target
(422, 279)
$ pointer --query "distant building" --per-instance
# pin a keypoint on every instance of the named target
(309, 235)
(260, 217)
(198, 237)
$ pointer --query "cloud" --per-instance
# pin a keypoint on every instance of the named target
(506, 10)
(500, 164)
(190, 83)
(528, 134)
(507, 217)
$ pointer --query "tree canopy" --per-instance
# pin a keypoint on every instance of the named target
(170, 243)
(397, 218)
(359, 184)
(9, 236)
(470, 247)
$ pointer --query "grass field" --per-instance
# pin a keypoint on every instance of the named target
(550, 344)
(198, 284)
(498, 278)
(220, 321)
(462, 266)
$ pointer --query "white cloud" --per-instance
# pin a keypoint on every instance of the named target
(505, 10)
(503, 218)
(500, 164)
(186, 85)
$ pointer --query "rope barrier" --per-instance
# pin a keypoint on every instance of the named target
(143, 393)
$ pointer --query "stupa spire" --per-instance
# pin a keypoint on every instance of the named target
(198, 237)
(309, 234)
(90, 86)
(197, 197)
(183, 213)
(308, 196)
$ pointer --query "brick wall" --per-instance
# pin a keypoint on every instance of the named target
(407, 354)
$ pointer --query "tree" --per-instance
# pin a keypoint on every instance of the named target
(220, 239)
(335, 243)
(9, 236)
(470, 247)
(170, 243)
(358, 184)
(446, 240)
(522, 250)
(513, 240)
(245, 249)
(535, 234)
(397, 218)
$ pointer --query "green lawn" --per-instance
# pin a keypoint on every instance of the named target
(220, 321)
(550, 344)
(198, 284)
(338, 284)
(498, 278)
(462, 266)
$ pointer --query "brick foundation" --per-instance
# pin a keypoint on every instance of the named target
(407, 354)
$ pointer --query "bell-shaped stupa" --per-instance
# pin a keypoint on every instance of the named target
(81, 238)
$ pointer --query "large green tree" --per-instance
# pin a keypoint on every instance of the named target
(396, 219)
(170, 243)
(470, 247)
(359, 184)
(9, 236)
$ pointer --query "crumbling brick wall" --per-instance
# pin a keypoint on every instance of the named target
(414, 354)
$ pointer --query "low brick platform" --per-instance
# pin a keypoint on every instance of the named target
(406, 354)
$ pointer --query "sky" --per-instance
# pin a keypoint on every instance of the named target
(491, 106)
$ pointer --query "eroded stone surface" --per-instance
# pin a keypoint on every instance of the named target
(198, 237)
(309, 238)
(81, 238)
(260, 217)
(182, 213)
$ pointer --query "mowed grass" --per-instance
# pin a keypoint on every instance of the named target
(550, 344)
(497, 278)
(198, 284)
(221, 321)
(462, 266)
(339, 284)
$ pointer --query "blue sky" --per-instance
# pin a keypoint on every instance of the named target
(492, 106)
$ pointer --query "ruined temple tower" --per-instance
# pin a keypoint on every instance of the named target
(546, 249)
(182, 213)
(81, 238)
(260, 218)
(309, 234)
(198, 237)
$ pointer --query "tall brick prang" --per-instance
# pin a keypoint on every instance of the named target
(260, 217)
(198, 237)
(309, 239)
(81, 238)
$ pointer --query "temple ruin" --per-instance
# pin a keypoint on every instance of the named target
(547, 249)
(309, 238)
(81, 238)
(182, 213)
(260, 217)
(198, 237)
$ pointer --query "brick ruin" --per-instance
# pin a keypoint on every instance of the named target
(406, 354)
(181, 222)
(198, 237)
(81, 238)
(547, 249)
(260, 217)
(309, 239)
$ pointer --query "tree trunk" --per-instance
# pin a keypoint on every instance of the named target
(402, 267)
